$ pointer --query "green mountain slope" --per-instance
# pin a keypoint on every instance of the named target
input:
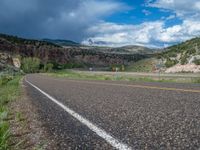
(183, 53)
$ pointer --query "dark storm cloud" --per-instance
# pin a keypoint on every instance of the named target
(53, 19)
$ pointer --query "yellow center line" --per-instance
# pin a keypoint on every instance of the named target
(137, 86)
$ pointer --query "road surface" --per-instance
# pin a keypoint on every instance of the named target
(117, 115)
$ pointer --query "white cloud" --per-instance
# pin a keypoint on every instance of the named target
(170, 17)
(119, 35)
(182, 8)
(146, 12)
(152, 34)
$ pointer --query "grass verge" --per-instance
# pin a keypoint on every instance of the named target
(92, 76)
(145, 65)
(9, 91)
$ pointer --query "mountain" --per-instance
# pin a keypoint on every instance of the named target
(62, 43)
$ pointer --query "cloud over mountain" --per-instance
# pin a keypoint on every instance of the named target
(54, 19)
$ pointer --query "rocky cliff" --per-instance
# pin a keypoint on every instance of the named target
(49, 52)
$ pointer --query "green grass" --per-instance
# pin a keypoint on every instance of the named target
(9, 91)
(75, 75)
(87, 76)
(197, 80)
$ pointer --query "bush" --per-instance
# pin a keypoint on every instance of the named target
(58, 66)
(72, 65)
(170, 63)
(197, 61)
(191, 51)
(172, 54)
(183, 59)
(48, 67)
(30, 65)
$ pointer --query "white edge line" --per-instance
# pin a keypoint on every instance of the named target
(100, 132)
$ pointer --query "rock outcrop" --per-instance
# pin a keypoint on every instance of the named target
(184, 68)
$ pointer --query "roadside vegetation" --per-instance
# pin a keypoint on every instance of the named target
(9, 91)
(117, 77)
(145, 65)
(34, 65)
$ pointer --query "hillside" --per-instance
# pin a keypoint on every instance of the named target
(183, 57)
(84, 56)
(184, 53)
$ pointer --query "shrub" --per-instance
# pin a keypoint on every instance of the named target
(30, 65)
(72, 65)
(172, 54)
(170, 63)
(183, 59)
(48, 67)
(197, 61)
(191, 51)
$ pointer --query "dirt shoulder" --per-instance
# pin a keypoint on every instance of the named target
(27, 130)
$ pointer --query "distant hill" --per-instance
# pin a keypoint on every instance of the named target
(62, 42)
(18, 40)
(121, 50)
(135, 49)
(131, 49)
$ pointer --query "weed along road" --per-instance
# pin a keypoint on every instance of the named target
(117, 115)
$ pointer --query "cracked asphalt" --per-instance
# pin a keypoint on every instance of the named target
(141, 117)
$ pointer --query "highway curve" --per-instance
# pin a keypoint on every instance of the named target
(117, 115)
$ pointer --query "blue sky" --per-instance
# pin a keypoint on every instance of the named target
(151, 23)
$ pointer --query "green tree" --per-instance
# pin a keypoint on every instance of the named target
(30, 65)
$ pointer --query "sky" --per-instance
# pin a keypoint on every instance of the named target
(150, 23)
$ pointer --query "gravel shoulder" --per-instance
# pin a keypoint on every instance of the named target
(27, 129)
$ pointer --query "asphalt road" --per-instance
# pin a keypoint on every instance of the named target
(137, 115)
